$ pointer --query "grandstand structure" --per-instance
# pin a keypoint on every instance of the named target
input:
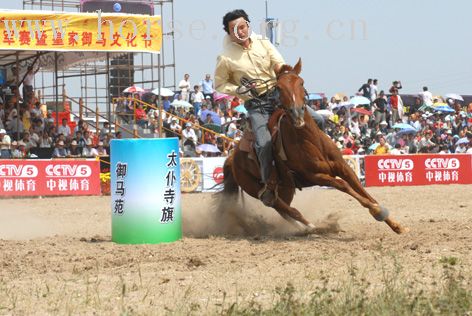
(94, 79)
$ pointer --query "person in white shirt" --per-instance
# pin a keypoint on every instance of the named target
(427, 96)
(232, 128)
(198, 98)
(373, 90)
(5, 143)
(88, 150)
(184, 86)
(28, 83)
(189, 134)
(64, 129)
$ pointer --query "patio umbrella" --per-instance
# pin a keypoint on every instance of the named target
(463, 140)
(165, 92)
(454, 96)
(347, 105)
(361, 111)
(359, 100)
(221, 96)
(339, 96)
(325, 113)
(213, 127)
(209, 148)
(410, 130)
(133, 89)
(181, 104)
(241, 109)
(402, 126)
(314, 96)
(444, 108)
(214, 116)
(374, 146)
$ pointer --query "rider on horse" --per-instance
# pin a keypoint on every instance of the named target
(252, 61)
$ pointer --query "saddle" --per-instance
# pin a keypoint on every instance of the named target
(246, 143)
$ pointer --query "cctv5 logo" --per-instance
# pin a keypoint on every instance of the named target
(442, 163)
(20, 171)
(68, 171)
(395, 164)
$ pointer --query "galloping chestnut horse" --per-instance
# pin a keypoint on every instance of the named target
(311, 159)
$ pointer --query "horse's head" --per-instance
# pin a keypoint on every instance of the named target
(292, 92)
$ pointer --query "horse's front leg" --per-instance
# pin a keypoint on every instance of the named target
(379, 213)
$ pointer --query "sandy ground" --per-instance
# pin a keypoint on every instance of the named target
(57, 257)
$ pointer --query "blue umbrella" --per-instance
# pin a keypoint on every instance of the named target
(402, 126)
(241, 109)
(444, 108)
(463, 140)
(209, 148)
(214, 116)
(411, 130)
(314, 96)
(358, 100)
(374, 146)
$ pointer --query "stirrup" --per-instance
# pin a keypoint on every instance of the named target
(268, 196)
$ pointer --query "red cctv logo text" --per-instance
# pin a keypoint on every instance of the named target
(395, 164)
(442, 163)
(68, 171)
(20, 171)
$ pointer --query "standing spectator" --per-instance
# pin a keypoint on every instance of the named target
(427, 96)
(28, 84)
(141, 116)
(198, 98)
(380, 104)
(208, 87)
(373, 90)
(394, 103)
(184, 86)
(64, 129)
(382, 148)
(396, 86)
(5, 144)
(365, 88)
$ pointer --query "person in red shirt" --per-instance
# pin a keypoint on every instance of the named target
(394, 104)
(348, 149)
(140, 116)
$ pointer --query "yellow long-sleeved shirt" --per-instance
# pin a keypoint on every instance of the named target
(255, 62)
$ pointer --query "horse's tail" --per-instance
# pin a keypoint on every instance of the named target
(230, 184)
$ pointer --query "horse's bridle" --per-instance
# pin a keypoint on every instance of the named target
(271, 95)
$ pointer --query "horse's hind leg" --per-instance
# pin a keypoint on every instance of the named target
(252, 187)
(374, 209)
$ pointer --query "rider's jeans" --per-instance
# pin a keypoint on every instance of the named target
(259, 117)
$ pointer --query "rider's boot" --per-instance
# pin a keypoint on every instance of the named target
(268, 194)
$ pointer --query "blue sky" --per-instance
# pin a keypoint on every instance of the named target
(342, 42)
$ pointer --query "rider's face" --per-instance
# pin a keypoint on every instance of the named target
(239, 30)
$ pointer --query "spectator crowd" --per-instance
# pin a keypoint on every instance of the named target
(210, 124)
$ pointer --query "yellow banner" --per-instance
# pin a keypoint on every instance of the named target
(53, 31)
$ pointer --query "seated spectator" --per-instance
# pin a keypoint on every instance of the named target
(397, 150)
(101, 151)
(59, 150)
(21, 151)
(189, 134)
(5, 144)
(75, 151)
(348, 150)
(175, 128)
(64, 129)
(15, 152)
(45, 141)
(89, 151)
